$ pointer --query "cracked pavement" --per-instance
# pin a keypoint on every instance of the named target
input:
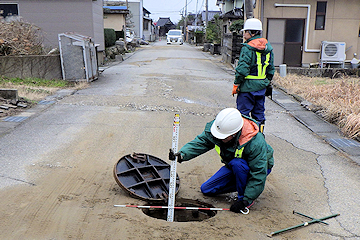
(60, 159)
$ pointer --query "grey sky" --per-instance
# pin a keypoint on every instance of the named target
(173, 8)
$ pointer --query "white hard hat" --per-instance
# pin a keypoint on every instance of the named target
(227, 122)
(252, 24)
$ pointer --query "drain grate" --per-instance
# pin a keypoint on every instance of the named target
(45, 102)
(343, 142)
(14, 119)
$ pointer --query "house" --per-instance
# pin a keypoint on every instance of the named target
(54, 17)
(148, 26)
(115, 18)
(136, 17)
(210, 16)
(122, 15)
(163, 25)
(230, 12)
(307, 33)
(297, 31)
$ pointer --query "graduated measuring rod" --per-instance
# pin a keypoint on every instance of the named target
(303, 224)
(172, 183)
(183, 208)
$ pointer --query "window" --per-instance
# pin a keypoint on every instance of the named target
(146, 24)
(225, 28)
(7, 9)
(320, 16)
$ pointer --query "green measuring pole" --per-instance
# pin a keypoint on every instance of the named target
(309, 217)
(302, 225)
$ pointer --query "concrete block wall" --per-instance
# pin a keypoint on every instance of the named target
(39, 66)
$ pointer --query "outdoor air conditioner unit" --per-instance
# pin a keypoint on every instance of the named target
(333, 51)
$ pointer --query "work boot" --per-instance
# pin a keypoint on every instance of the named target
(262, 127)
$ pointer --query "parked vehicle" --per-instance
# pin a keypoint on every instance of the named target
(174, 36)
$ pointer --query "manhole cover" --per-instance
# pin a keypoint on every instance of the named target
(144, 176)
(183, 215)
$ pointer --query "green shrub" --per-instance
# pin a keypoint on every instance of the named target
(237, 25)
(213, 30)
(110, 37)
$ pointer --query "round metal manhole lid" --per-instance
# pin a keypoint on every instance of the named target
(144, 176)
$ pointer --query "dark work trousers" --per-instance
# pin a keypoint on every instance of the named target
(229, 179)
(252, 104)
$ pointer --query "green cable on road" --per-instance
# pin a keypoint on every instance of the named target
(303, 224)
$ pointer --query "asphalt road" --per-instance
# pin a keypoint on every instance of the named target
(130, 108)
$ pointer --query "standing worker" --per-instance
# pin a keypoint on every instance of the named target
(242, 148)
(254, 72)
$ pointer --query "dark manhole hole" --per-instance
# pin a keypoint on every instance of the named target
(183, 215)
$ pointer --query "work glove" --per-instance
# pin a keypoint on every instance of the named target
(239, 206)
(172, 156)
(268, 91)
(235, 91)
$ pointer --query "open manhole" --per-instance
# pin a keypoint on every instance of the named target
(144, 176)
(183, 215)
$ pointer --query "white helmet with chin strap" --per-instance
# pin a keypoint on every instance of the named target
(252, 24)
(229, 121)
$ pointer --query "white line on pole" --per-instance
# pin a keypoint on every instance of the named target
(183, 208)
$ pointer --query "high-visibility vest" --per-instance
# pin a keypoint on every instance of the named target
(262, 62)
(238, 152)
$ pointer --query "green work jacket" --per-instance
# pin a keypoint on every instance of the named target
(255, 68)
(254, 149)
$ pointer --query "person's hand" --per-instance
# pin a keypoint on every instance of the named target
(268, 91)
(172, 156)
(235, 91)
(239, 206)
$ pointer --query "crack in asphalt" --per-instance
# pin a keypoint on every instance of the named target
(162, 108)
(18, 180)
(353, 235)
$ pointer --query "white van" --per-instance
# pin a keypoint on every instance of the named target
(174, 36)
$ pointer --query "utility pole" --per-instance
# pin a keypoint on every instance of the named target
(127, 9)
(196, 14)
(206, 18)
(248, 9)
(185, 21)
(206, 13)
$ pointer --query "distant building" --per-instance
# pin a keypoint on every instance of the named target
(148, 26)
(115, 18)
(163, 25)
(55, 17)
(211, 15)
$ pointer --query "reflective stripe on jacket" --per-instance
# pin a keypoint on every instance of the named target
(238, 152)
(256, 62)
(258, 72)
(252, 147)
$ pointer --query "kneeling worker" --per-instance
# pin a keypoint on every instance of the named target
(247, 157)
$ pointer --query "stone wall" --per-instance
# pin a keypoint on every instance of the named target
(323, 72)
(231, 47)
(27, 66)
